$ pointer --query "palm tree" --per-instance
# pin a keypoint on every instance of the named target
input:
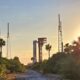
(48, 48)
(68, 48)
(76, 46)
(2, 43)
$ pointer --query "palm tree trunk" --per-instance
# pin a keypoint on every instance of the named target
(49, 54)
(0, 51)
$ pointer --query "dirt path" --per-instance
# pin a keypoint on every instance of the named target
(33, 75)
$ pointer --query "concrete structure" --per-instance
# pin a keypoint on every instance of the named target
(34, 51)
(41, 41)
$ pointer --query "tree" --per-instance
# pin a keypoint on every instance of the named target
(48, 48)
(76, 46)
(68, 48)
(2, 43)
(73, 48)
(2, 69)
(15, 65)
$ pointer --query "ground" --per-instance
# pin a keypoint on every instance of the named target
(33, 75)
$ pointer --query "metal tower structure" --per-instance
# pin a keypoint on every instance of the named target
(8, 37)
(60, 38)
(41, 42)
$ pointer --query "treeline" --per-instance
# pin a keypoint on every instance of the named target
(66, 64)
(10, 66)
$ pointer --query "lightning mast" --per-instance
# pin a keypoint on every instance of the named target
(7, 40)
(60, 39)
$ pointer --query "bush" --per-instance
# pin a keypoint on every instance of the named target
(11, 65)
(67, 65)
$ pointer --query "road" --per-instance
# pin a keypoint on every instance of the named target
(33, 75)
(30, 75)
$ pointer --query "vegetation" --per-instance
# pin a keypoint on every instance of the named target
(10, 66)
(48, 48)
(65, 63)
(2, 43)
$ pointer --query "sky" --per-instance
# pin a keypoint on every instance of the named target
(30, 19)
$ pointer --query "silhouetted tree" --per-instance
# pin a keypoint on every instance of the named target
(76, 46)
(68, 48)
(2, 43)
(48, 48)
(73, 48)
(15, 65)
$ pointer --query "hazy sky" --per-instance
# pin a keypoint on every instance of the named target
(30, 19)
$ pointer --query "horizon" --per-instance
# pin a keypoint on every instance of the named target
(39, 18)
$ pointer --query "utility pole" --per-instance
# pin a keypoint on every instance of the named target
(60, 38)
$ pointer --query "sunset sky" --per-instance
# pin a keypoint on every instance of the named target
(30, 19)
